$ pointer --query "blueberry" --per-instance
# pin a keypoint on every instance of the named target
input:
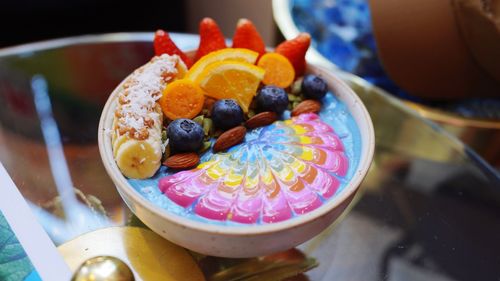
(226, 114)
(272, 98)
(314, 87)
(185, 135)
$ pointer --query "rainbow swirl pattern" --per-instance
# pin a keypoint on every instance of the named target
(289, 168)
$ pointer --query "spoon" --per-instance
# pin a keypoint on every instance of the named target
(103, 268)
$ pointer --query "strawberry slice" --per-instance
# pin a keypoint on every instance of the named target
(247, 36)
(295, 50)
(163, 44)
(211, 38)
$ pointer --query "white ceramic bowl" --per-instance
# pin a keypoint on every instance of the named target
(252, 240)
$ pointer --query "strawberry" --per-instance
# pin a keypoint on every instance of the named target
(247, 36)
(295, 50)
(163, 44)
(211, 38)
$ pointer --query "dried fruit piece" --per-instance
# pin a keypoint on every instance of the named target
(211, 38)
(182, 160)
(261, 119)
(295, 51)
(230, 138)
(163, 44)
(279, 70)
(182, 99)
(307, 106)
(247, 36)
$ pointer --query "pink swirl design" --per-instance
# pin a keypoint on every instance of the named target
(289, 169)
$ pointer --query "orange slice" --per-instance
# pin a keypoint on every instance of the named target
(231, 80)
(182, 99)
(279, 70)
(235, 54)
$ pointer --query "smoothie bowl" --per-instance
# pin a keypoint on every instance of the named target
(243, 153)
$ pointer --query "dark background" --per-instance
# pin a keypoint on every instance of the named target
(24, 21)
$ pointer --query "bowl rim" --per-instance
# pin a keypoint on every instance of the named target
(121, 183)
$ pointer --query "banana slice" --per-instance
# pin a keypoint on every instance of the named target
(114, 135)
(136, 136)
(138, 159)
(117, 141)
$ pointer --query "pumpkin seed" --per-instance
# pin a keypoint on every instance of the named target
(206, 145)
(297, 86)
(199, 119)
(207, 126)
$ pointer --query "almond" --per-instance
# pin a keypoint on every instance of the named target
(307, 106)
(182, 160)
(229, 138)
(261, 119)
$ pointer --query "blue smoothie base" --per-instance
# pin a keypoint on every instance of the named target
(333, 112)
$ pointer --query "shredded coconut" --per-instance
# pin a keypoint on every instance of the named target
(138, 100)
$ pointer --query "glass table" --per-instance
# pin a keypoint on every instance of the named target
(429, 208)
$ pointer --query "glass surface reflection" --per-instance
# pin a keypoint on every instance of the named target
(78, 218)
(428, 209)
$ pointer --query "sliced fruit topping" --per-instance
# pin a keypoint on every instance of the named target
(231, 80)
(117, 141)
(185, 135)
(137, 159)
(247, 36)
(314, 87)
(236, 54)
(295, 51)
(272, 98)
(279, 70)
(163, 44)
(211, 38)
(182, 99)
(226, 113)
